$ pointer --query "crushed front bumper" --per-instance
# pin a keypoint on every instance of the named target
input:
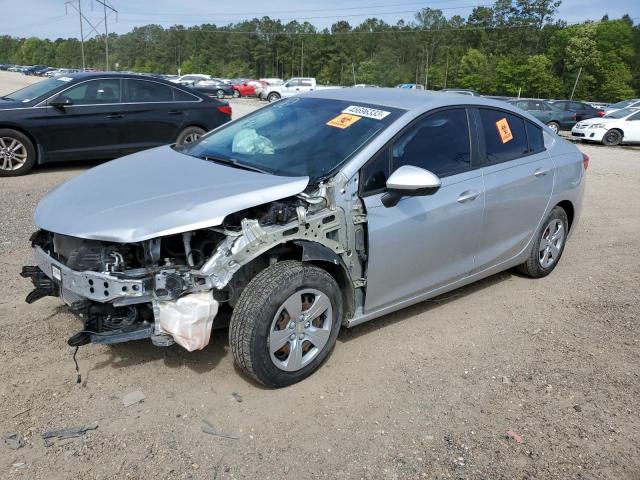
(98, 287)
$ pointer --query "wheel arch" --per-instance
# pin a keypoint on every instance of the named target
(569, 209)
(36, 144)
(314, 253)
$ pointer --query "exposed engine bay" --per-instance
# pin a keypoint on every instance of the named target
(180, 287)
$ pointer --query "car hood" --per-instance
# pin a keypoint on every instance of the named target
(8, 104)
(155, 193)
(593, 121)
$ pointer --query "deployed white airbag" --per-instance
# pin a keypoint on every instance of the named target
(189, 319)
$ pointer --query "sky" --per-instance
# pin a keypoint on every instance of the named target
(52, 19)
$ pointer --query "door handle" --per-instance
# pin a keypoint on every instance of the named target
(115, 115)
(175, 112)
(540, 172)
(468, 196)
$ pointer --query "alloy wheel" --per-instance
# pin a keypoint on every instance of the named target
(551, 243)
(192, 137)
(300, 329)
(13, 154)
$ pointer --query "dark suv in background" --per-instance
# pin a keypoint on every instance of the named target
(100, 116)
(582, 110)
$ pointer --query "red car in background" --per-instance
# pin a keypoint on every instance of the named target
(247, 88)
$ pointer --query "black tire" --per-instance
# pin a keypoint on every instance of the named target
(188, 135)
(533, 267)
(220, 93)
(612, 138)
(8, 136)
(236, 93)
(256, 308)
(273, 97)
(555, 126)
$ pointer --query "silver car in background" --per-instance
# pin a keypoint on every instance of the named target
(323, 210)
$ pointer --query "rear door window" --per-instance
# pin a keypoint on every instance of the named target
(181, 96)
(534, 135)
(142, 91)
(505, 137)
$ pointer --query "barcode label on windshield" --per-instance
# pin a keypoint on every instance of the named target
(366, 112)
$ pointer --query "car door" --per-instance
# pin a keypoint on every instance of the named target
(291, 87)
(91, 127)
(632, 128)
(518, 181)
(423, 242)
(153, 116)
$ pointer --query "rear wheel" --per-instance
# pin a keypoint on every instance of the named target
(236, 94)
(189, 135)
(273, 97)
(17, 153)
(220, 94)
(612, 138)
(547, 249)
(555, 126)
(285, 323)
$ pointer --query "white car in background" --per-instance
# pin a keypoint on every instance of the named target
(190, 79)
(631, 103)
(620, 126)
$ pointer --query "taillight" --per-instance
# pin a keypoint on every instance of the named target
(226, 109)
(600, 113)
(574, 117)
(585, 161)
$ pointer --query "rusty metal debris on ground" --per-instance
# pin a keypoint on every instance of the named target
(209, 429)
(14, 440)
(71, 432)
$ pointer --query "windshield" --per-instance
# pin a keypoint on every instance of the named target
(621, 113)
(623, 104)
(37, 89)
(296, 137)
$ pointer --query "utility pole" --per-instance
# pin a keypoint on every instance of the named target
(80, 17)
(426, 75)
(105, 6)
(446, 70)
(575, 84)
(353, 70)
(302, 60)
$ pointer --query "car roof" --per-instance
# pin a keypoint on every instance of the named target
(89, 75)
(403, 98)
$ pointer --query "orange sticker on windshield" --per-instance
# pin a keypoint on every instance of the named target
(344, 120)
(504, 130)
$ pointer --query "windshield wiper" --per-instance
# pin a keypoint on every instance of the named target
(233, 163)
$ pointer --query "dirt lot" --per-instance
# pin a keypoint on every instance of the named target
(429, 392)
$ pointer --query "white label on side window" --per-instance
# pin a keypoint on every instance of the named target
(366, 112)
(55, 271)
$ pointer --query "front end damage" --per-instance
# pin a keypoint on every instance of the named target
(178, 288)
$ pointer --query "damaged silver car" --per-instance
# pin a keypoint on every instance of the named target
(323, 210)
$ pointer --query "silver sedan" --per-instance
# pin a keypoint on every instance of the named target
(324, 210)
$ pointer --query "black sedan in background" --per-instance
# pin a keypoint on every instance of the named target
(214, 86)
(99, 116)
(582, 110)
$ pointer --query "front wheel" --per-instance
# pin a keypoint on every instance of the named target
(220, 94)
(285, 323)
(554, 126)
(17, 153)
(612, 138)
(236, 94)
(189, 135)
(273, 97)
(548, 246)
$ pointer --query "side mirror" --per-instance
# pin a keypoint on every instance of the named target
(60, 102)
(409, 181)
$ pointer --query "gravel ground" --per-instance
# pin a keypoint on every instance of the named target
(428, 392)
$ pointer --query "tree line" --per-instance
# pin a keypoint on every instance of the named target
(515, 47)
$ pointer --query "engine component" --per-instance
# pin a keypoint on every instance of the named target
(96, 258)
